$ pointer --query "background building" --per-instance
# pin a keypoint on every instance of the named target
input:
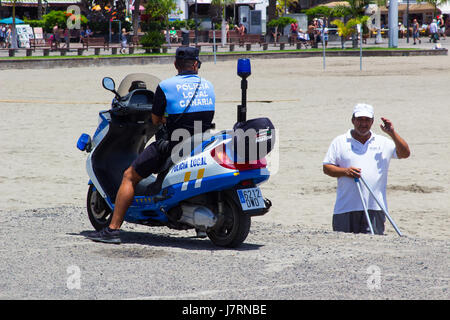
(28, 8)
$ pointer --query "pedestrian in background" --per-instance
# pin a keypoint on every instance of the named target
(66, 38)
(123, 41)
(2, 35)
(416, 31)
(8, 36)
(441, 26)
(434, 36)
(56, 37)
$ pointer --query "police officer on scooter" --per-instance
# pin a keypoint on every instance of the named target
(178, 103)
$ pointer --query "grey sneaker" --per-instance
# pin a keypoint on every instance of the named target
(106, 235)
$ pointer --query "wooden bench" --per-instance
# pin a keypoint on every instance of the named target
(248, 38)
(234, 37)
(292, 39)
(202, 36)
(295, 41)
(172, 45)
(135, 41)
(39, 43)
(218, 34)
(96, 43)
(253, 38)
(46, 46)
(75, 34)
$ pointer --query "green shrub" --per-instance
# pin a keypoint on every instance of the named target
(281, 22)
(153, 39)
(52, 18)
(35, 23)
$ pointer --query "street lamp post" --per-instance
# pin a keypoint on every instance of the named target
(407, 21)
(196, 23)
(393, 23)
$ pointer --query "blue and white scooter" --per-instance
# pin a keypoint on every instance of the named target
(211, 189)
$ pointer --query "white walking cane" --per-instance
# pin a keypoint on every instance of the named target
(358, 183)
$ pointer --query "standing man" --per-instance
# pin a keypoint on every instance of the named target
(241, 30)
(123, 41)
(2, 35)
(56, 37)
(360, 152)
(416, 31)
(441, 26)
(177, 105)
(434, 35)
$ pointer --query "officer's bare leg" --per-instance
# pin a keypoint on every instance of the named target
(124, 197)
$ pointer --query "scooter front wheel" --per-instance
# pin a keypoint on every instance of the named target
(235, 227)
(98, 210)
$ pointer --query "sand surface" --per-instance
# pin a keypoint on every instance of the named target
(43, 113)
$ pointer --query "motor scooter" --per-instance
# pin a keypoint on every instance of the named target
(212, 188)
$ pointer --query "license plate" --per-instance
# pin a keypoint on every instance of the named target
(251, 199)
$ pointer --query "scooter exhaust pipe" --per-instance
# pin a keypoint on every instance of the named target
(197, 216)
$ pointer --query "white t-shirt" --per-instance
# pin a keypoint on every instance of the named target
(373, 158)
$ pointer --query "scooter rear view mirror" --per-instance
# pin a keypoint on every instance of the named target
(109, 84)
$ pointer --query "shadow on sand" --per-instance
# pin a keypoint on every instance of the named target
(171, 240)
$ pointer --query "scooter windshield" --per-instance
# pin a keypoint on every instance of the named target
(151, 82)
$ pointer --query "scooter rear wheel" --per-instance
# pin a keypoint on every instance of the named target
(235, 227)
(98, 210)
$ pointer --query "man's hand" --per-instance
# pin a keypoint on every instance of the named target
(400, 144)
(337, 172)
(387, 126)
(353, 172)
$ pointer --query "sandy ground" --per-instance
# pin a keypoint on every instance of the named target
(43, 112)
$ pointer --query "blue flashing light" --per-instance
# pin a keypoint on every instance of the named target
(243, 68)
(83, 142)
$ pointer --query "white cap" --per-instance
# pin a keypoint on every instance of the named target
(363, 110)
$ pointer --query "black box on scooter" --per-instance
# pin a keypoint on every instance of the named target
(253, 139)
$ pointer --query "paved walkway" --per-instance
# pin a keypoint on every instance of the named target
(402, 43)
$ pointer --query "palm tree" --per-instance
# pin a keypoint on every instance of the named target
(159, 11)
(13, 30)
(355, 9)
(223, 4)
(436, 3)
(39, 9)
(345, 30)
(135, 17)
(272, 10)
